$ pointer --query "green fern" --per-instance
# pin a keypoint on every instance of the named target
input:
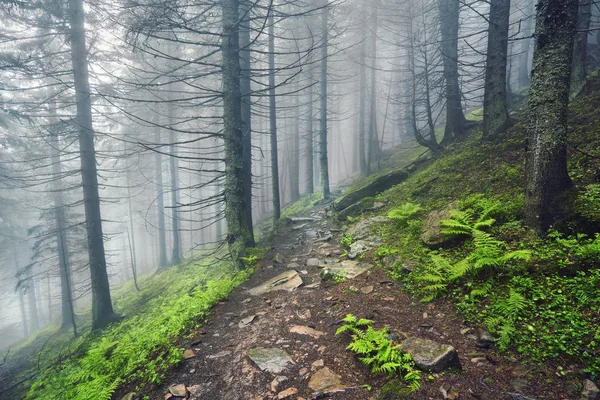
(506, 313)
(404, 212)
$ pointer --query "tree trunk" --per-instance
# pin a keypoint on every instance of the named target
(246, 90)
(295, 159)
(495, 114)
(176, 254)
(525, 47)
(32, 300)
(373, 145)
(310, 182)
(273, 123)
(160, 201)
(455, 118)
(102, 311)
(364, 169)
(578, 72)
(131, 235)
(239, 235)
(323, 129)
(546, 166)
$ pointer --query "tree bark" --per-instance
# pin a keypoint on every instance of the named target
(546, 160)
(525, 47)
(495, 114)
(373, 145)
(455, 118)
(310, 182)
(362, 96)
(102, 311)
(239, 236)
(273, 123)
(160, 202)
(131, 235)
(323, 128)
(578, 73)
(176, 254)
(295, 156)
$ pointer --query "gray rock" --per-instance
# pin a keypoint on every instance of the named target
(271, 360)
(590, 390)
(432, 235)
(310, 234)
(345, 270)
(357, 248)
(377, 206)
(288, 280)
(324, 379)
(129, 396)
(429, 355)
(313, 262)
(293, 265)
(356, 209)
(295, 220)
(484, 338)
(362, 229)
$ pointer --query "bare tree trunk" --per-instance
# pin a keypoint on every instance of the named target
(310, 182)
(495, 114)
(102, 311)
(131, 235)
(239, 234)
(373, 145)
(176, 255)
(246, 90)
(578, 73)
(273, 122)
(160, 202)
(546, 166)
(323, 129)
(364, 168)
(455, 118)
(525, 47)
(295, 159)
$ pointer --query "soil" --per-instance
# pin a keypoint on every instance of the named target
(221, 368)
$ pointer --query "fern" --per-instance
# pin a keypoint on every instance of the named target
(378, 352)
(404, 212)
(506, 313)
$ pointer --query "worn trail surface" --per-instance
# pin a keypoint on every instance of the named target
(290, 334)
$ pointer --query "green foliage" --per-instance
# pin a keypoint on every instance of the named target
(569, 254)
(141, 347)
(347, 240)
(378, 352)
(404, 212)
(507, 312)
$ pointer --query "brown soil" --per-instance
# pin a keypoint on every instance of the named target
(235, 376)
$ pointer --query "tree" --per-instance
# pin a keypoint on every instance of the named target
(578, 73)
(273, 121)
(546, 159)
(239, 235)
(323, 128)
(495, 113)
(102, 311)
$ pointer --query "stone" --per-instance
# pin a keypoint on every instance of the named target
(299, 227)
(313, 262)
(377, 205)
(189, 353)
(277, 259)
(194, 390)
(287, 393)
(367, 289)
(464, 331)
(168, 396)
(358, 248)
(303, 371)
(324, 379)
(271, 360)
(305, 314)
(355, 209)
(432, 235)
(246, 321)
(129, 396)
(310, 234)
(362, 229)
(315, 285)
(590, 391)
(370, 188)
(317, 364)
(305, 330)
(325, 238)
(289, 281)
(484, 338)
(178, 390)
(429, 355)
(347, 269)
(220, 354)
(296, 220)
(293, 265)
(276, 382)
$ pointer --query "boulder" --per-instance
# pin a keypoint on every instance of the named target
(429, 355)
(432, 235)
(590, 391)
(289, 281)
(370, 188)
(271, 360)
(356, 209)
(345, 270)
(362, 246)
(324, 379)
(362, 229)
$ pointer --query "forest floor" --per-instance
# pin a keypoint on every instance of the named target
(302, 322)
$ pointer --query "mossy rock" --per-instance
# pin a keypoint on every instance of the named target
(395, 389)
(371, 187)
(356, 209)
(432, 235)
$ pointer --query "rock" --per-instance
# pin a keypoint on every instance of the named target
(315, 285)
(484, 338)
(367, 289)
(220, 354)
(313, 262)
(324, 379)
(287, 393)
(277, 259)
(178, 390)
(270, 359)
(246, 321)
(305, 315)
(362, 229)
(432, 235)
(293, 265)
(590, 391)
(189, 353)
(429, 355)
(370, 188)
(377, 205)
(305, 330)
(277, 381)
(129, 396)
(299, 227)
(358, 248)
(464, 331)
(289, 281)
(168, 396)
(356, 209)
(345, 270)
(194, 390)
(310, 234)
(296, 220)
(317, 364)
(303, 371)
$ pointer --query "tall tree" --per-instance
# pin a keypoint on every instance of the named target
(578, 73)
(323, 128)
(455, 118)
(525, 45)
(273, 122)
(495, 111)
(160, 201)
(239, 235)
(362, 159)
(546, 160)
(102, 311)
(310, 181)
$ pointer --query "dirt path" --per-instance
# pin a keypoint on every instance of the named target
(302, 323)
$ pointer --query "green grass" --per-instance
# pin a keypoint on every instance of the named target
(145, 344)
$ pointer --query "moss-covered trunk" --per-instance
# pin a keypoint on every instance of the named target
(546, 168)
(495, 114)
(239, 236)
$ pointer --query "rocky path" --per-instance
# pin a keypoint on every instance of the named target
(274, 338)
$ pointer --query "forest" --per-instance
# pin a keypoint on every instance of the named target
(303, 199)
